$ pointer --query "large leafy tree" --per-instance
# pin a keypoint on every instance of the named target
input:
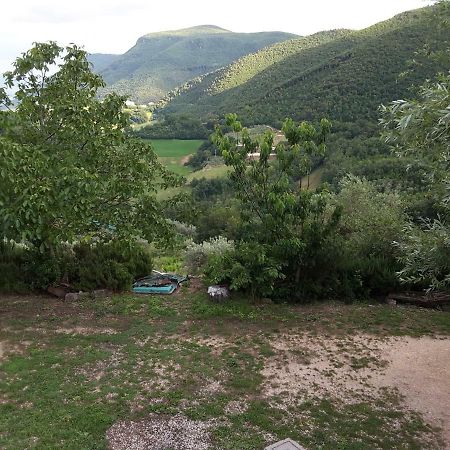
(420, 129)
(67, 168)
(284, 223)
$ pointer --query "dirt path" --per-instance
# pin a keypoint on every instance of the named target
(185, 159)
(420, 370)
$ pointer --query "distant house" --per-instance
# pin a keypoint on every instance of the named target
(130, 104)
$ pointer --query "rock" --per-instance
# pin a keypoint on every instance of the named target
(287, 444)
(100, 293)
(391, 302)
(57, 291)
(72, 297)
(218, 293)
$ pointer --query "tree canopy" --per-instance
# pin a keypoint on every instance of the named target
(67, 169)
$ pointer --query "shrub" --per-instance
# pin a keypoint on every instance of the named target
(425, 255)
(113, 265)
(370, 223)
(85, 266)
(197, 255)
(247, 267)
(12, 257)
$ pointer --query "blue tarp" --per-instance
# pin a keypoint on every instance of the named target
(158, 283)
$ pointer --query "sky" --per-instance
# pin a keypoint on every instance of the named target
(113, 26)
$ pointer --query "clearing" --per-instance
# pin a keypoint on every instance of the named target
(178, 372)
(173, 153)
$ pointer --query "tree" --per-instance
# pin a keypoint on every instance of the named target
(421, 129)
(284, 223)
(67, 169)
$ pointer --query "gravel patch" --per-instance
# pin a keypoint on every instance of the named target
(160, 433)
(420, 369)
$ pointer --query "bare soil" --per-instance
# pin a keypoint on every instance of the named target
(360, 368)
(420, 370)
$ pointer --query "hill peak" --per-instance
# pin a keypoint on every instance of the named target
(199, 29)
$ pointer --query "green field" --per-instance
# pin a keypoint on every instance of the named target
(173, 153)
(174, 148)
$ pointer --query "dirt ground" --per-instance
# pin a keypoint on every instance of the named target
(351, 369)
(295, 367)
(420, 370)
(358, 367)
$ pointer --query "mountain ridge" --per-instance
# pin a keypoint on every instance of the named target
(343, 76)
(158, 62)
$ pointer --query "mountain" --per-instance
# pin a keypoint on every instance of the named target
(100, 61)
(339, 74)
(159, 62)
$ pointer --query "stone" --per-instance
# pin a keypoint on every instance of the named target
(72, 297)
(101, 293)
(287, 444)
(57, 291)
(218, 293)
(391, 302)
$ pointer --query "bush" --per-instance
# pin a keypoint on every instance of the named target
(113, 265)
(247, 267)
(197, 255)
(370, 223)
(425, 255)
(12, 257)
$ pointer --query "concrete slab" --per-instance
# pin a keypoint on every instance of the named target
(286, 444)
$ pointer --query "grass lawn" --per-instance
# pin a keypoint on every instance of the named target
(90, 374)
(174, 148)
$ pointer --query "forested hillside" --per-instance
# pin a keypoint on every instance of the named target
(100, 61)
(159, 62)
(342, 75)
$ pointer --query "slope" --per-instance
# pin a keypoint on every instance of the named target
(343, 75)
(161, 61)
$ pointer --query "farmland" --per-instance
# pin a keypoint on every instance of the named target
(173, 153)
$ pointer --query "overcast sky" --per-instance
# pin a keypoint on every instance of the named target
(113, 26)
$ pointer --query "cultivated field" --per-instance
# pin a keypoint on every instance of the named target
(173, 153)
(180, 372)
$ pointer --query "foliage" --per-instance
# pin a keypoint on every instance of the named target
(173, 126)
(66, 167)
(197, 255)
(88, 266)
(203, 189)
(203, 155)
(12, 258)
(285, 224)
(425, 254)
(420, 129)
(371, 221)
(249, 266)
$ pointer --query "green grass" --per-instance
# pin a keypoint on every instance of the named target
(61, 390)
(174, 148)
(209, 173)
